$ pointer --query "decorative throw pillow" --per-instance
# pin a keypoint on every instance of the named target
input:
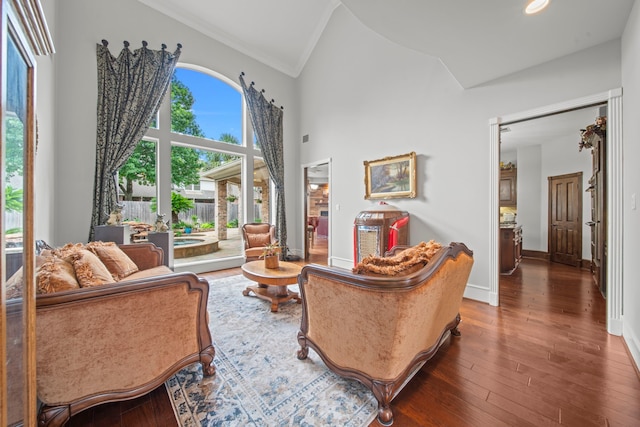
(14, 284)
(117, 262)
(90, 271)
(405, 262)
(67, 250)
(55, 275)
(257, 240)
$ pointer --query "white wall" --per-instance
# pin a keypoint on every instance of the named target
(364, 98)
(559, 157)
(81, 24)
(631, 179)
(529, 194)
(45, 170)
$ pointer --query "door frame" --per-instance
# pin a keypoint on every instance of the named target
(613, 98)
(304, 208)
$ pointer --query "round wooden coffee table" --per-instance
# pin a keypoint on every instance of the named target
(272, 282)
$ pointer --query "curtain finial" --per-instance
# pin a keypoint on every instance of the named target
(105, 43)
(126, 44)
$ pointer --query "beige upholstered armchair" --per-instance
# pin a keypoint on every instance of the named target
(256, 236)
(380, 330)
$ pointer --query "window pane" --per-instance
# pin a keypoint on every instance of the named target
(15, 120)
(204, 106)
(261, 192)
(137, 189)
(207, 205)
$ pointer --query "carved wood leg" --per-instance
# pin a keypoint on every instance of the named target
(455, 331)
(304, 349)
(206, 360)
(382, 392)
(53, 416)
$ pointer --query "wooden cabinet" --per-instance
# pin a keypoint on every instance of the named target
(510, 248)
(598, 222)
(508, 187)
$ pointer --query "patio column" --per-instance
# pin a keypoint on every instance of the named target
(221, 209)
(265, 201)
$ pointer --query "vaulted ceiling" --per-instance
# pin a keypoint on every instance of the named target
(477, 40)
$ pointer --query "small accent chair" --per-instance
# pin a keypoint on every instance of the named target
(381, 329)
(256, 236)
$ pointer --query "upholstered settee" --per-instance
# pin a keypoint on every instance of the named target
(381, 329)
(117, 341)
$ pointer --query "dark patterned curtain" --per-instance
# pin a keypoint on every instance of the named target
(266, 119)
(130, 90)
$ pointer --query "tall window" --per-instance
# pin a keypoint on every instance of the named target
(203, 139)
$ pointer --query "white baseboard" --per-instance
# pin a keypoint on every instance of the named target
(633, 343)
(476, 293)
(341, 262)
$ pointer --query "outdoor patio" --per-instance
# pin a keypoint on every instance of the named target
(230, 247)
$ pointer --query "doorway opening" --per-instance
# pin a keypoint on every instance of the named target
(613, 205)
(317, 212)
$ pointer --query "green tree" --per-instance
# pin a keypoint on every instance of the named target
(179, 203)
(185, 166)
(213, 159)
(186, 162)
(140, 167)
(14, 162)
(183, 120)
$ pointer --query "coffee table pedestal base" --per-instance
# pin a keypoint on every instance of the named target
(274, 294)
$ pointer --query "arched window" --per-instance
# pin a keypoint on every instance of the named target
(198, 164)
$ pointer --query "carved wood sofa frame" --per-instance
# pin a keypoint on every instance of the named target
(380, 330)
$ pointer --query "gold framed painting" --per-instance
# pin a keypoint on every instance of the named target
(391, 177)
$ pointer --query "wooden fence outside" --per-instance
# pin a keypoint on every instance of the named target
(141, 211)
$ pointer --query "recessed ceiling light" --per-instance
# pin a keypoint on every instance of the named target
(536, 6)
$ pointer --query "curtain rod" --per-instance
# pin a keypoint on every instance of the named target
(262, 91)
(105, 43)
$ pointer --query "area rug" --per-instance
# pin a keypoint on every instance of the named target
(259, 380)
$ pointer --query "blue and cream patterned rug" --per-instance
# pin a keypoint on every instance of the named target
(259, 381)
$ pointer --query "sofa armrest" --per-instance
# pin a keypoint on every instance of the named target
(144, 255)
(119, 341)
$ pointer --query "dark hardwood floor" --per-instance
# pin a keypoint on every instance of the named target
(542, 358)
